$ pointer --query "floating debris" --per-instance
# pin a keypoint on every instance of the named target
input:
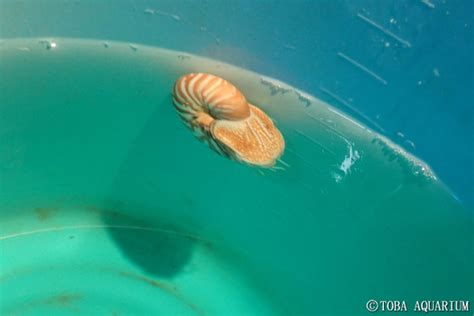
(133, 47)
(48, 44)
(184, 57)
(24, 49)
(106, 45)
(362, 67)
(275, 87)
(383, 30)
(303, 98)
(416, 171)
(436, 72)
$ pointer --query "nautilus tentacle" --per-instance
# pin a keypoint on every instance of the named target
(219, 114)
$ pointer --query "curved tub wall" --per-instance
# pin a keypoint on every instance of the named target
(404, 68)
(339, 219)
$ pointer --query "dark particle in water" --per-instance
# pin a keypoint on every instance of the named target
(49, 45)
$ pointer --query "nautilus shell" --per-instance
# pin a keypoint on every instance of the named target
(219, 115)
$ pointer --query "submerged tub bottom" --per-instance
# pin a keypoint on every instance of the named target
(85, 261)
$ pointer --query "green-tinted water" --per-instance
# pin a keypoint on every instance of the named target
(110, 205)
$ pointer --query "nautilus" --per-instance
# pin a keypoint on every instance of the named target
(220, 115)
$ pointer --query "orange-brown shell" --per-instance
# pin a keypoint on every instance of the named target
(219, 114)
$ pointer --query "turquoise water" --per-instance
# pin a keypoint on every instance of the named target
(110, 205)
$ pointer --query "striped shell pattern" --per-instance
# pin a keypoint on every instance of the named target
(219, 115)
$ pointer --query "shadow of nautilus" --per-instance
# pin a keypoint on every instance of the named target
(161, 252)
(140, 205)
